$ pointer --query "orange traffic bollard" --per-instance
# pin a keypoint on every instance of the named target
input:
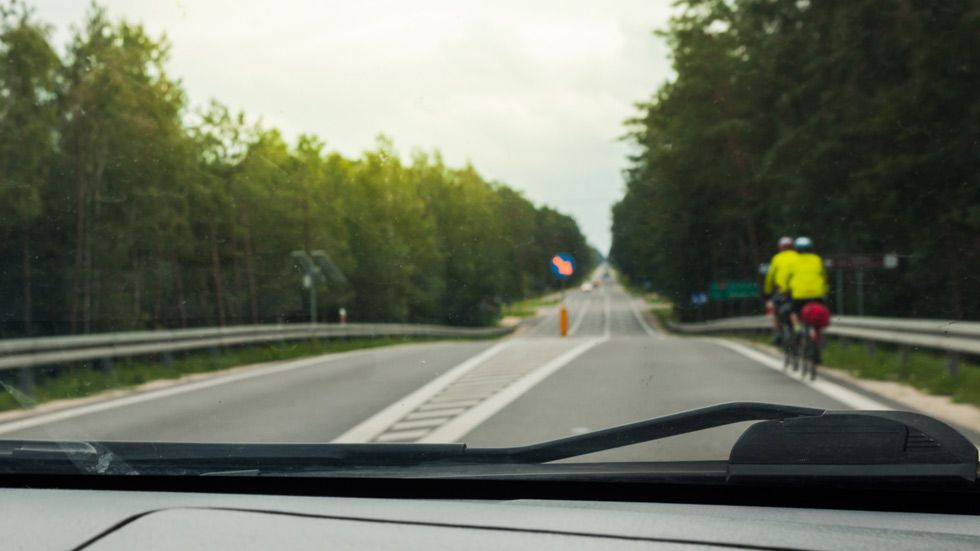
(563, 315)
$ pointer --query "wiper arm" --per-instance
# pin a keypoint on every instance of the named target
(641, 431)
(790, 441)
(206, 457)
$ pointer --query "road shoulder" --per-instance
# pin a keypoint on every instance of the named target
(964, 416)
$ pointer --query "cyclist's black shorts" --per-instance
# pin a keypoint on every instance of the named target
(781, 305)
(798, 304)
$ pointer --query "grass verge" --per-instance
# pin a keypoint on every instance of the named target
(77, 381)
(527, 307)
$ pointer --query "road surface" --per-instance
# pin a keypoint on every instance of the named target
(613, 368)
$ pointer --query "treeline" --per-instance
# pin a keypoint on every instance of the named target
(123, 208)
(854, 122)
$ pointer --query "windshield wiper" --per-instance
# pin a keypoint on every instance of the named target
(641, 431)
(789, 441)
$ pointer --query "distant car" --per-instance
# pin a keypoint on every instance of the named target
(587, 287)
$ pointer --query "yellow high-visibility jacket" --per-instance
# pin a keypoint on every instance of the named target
(779, 272)
(807, 277)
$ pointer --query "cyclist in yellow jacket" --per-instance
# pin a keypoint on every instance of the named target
(775, 288)
(807, 281)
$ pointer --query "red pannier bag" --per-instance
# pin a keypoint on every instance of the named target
(816, 315)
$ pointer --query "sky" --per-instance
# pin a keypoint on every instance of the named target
(533, 96)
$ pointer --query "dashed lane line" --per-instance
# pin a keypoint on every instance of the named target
(581, 316)
(607, 313)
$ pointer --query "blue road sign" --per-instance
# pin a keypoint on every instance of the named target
(562, 266)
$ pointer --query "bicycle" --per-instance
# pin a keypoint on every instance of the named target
(814, 317)
(808, 355)
(788, 344)
(786, 338)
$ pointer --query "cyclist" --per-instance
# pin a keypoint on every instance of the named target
(775, 288)
(807, 281)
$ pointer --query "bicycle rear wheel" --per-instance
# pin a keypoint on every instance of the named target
(787, 346)
(809, 355)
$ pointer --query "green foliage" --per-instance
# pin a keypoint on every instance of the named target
(528, 307)
(123, 208)
(853, 122)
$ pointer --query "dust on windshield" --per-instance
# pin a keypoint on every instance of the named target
(486, 224)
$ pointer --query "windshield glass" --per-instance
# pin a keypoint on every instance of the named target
(491, 223)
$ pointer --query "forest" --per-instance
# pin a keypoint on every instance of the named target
(854, 122)
(125, 206)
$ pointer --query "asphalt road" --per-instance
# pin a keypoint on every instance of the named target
(613, 368)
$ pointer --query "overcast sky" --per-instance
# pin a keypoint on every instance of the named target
(533, 93)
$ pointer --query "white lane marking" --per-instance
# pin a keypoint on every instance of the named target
(420, 424)
(409, 435)
(843, 395)
(643, 323)
(607, 325)
(460, 426)
(434, 413)
(457, 396)
(71, 413)
(380, 422)
(581, 316)
(581, 430)
(443, 405)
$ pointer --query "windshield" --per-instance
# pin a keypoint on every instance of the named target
(490, 223)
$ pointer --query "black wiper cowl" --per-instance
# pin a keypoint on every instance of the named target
(851, 445)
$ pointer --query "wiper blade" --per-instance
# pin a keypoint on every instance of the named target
(641, 431)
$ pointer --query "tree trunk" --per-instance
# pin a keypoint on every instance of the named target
(76, 275)
(26, 266)
(953, 269)
(253, 298)
(216, 275)
(178, 288)
(235, 303)
(157, 288)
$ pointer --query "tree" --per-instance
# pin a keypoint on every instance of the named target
(28, 69)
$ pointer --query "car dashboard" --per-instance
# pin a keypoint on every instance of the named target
(39, 519)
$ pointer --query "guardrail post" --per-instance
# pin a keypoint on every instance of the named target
(903, 360)
(952, 364)
(25, 380)
(871, 348)
(168, 359)
(105, 366)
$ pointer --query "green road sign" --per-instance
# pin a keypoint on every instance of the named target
(732, 289)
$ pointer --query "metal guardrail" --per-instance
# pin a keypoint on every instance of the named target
(952, 337)
(27, 354)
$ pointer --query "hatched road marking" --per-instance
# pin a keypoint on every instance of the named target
(379, 423)
(455, 403)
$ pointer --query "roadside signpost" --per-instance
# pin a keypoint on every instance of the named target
(857, 263)
(733, 289)
(562, 266)
(317, 267)
(698, 300)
